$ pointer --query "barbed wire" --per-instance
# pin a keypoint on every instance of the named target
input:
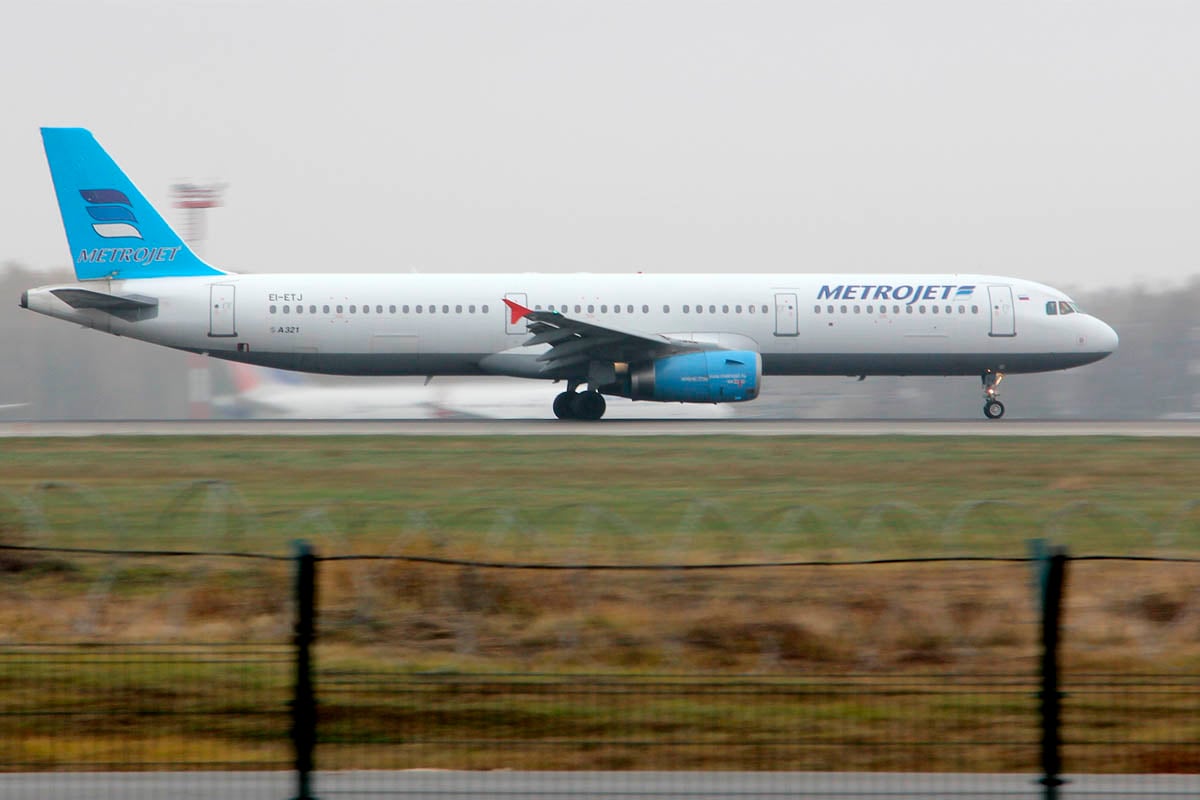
(601, 567)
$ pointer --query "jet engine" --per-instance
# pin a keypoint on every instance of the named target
(712, 376)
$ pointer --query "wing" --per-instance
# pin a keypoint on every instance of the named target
(574, 343)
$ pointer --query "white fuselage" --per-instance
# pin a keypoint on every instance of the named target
(412, 324)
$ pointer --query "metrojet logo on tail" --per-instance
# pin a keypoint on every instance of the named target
(903, 292)
(126, 255)
(113, 213)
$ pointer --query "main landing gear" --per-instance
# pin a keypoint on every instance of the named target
(579, 405)
(992, 408)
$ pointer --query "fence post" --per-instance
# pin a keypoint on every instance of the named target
(1050, 567)
(304, 701)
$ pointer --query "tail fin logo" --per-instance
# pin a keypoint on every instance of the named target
(112, 212)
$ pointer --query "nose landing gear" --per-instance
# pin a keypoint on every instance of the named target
(992, 408)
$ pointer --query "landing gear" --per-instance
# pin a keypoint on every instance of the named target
(992, 408)
(579, 405)
(562, 405)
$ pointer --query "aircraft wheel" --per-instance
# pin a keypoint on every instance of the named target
(588, 405)
(563, 405)
(993, 409)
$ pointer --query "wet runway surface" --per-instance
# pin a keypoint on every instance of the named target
(748, 427)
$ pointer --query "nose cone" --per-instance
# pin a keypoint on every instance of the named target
(1104, 338)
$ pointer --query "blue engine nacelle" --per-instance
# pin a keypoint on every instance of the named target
(712, 376)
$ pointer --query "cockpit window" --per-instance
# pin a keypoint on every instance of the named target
(1052, 308)
(1065, 307)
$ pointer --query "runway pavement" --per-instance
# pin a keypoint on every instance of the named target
(746, 427)
(450, 785)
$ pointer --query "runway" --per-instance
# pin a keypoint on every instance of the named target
(627, 428)
(451, 785)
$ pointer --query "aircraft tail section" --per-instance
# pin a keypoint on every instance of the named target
(112, 229)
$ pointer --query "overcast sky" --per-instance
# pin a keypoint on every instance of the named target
(1058, 141)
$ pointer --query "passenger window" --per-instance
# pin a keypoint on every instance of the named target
(764, 309)
(339, 309)
(591, 309)
(843, 309)
(391, 309)
(712, 309)
(816, 309)
(737, 309)
(858, 309)
(724, 309)
(828, 309)
(962, 309)
(604, 309)
(895, 309)
(312, 309)
(752, 309)
(418, 309)
(458, 309)
(352, 309)
(686, 309)
(699, 309)
(629, 309)
(366, 309)
(485, 309)
(287, 309)
(974, 309)
(404, 309)
(299, 309)
(666, 309)
(1052, 308)
(324, 309)
(379, 309)
(432, 309)
(1065, 308)
(921, 309)
(870, 309)
(273, 309)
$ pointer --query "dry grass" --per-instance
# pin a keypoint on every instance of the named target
(651, 501)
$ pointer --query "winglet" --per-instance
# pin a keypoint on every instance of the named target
(518, 310)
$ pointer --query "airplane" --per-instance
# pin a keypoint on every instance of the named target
(689, 338)
(262, 393)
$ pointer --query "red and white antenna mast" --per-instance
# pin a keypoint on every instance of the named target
(195, 199)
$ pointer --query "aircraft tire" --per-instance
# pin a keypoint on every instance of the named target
(993, 409)
(564, 405)
(588, 405)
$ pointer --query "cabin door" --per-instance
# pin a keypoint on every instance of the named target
(1004, 320)
(220, 310)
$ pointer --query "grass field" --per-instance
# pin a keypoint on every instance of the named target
(616, 501)
(610, 497)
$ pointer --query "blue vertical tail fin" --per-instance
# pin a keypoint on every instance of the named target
(112, 229)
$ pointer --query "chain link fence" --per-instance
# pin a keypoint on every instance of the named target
(357, 673)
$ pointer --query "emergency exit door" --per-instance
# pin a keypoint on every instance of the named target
(786, 320)
(220, 310)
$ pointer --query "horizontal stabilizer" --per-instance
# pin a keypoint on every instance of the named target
(129, 307)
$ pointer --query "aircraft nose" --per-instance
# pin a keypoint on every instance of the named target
(1105, 339)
